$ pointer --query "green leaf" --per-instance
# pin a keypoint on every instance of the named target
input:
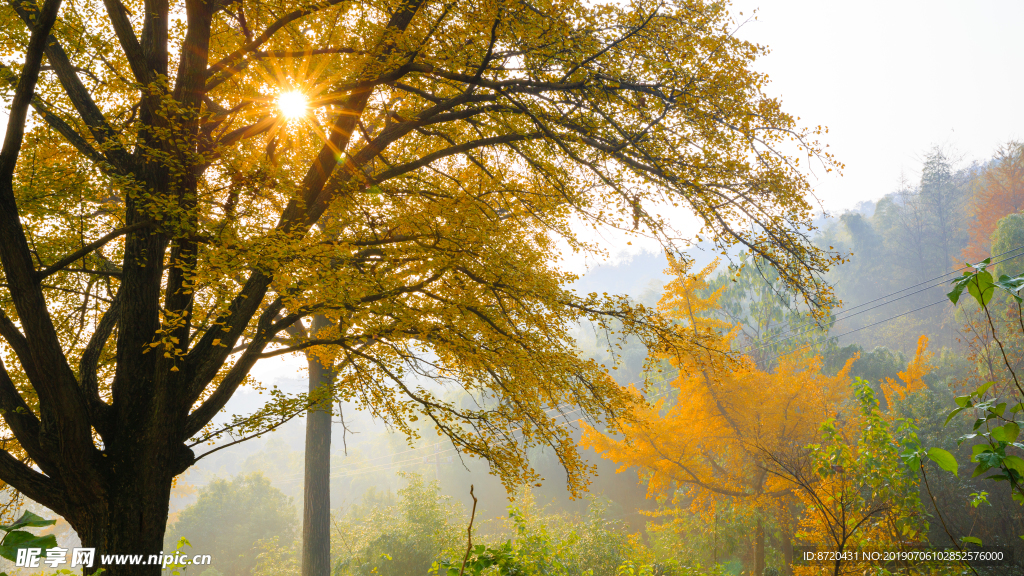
(1011, 286)
(944, 459)
(953, 413)
(1000, 409)
(990, 459)
(971, 540)
(984, 388)
(1014, 463)
(963, 401)
(912, 458)
(16, 537)
(980, 469)
(1006, 433)
(958, 288)
(11, 551)
(981, 287)
(978, 449)
(30, 520)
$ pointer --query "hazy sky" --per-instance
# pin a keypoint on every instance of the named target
(890, 79)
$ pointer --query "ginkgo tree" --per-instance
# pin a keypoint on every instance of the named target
(183, 183)
(709, 446)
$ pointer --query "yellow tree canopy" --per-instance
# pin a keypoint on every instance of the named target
(727, 412)
(196, 180)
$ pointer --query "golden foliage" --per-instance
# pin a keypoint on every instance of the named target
(911, 378)
(169, 226)
(726, 413)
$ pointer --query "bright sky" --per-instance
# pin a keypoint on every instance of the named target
(891, 79)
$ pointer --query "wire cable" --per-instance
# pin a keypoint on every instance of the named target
(864, 327)
(789, 335)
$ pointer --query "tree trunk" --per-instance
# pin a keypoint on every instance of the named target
(316, 498)
(130, 522)
(787, 549)
(759, 548)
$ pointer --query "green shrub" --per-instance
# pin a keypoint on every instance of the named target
(230, 519)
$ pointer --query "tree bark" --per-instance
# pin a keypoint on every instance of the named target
(316, 498)
(131, 520)
(787, 549)
(759, 548)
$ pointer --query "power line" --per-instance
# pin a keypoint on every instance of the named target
(789, 335)
(868, 326)
(1018, 248)
(848, 310)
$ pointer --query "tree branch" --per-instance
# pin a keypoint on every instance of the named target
(41, 27)
(129, 43)
(78, 94)
(36, 486)
(22, 421)
(229, 65)
(56, 122)
(84, 250)
(451, 151)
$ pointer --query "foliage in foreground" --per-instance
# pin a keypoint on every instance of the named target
(422, 531)
(997, 406)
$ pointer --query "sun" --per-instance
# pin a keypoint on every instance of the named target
(293, 105)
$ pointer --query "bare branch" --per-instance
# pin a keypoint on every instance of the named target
(85, 250)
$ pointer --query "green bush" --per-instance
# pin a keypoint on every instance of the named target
(230, 519)
(400, 539)
(423, 531)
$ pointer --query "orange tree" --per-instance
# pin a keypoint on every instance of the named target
(164, 222)
(710, 444)
(998, 191)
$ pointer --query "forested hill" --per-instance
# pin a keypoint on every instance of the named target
(906, 247)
